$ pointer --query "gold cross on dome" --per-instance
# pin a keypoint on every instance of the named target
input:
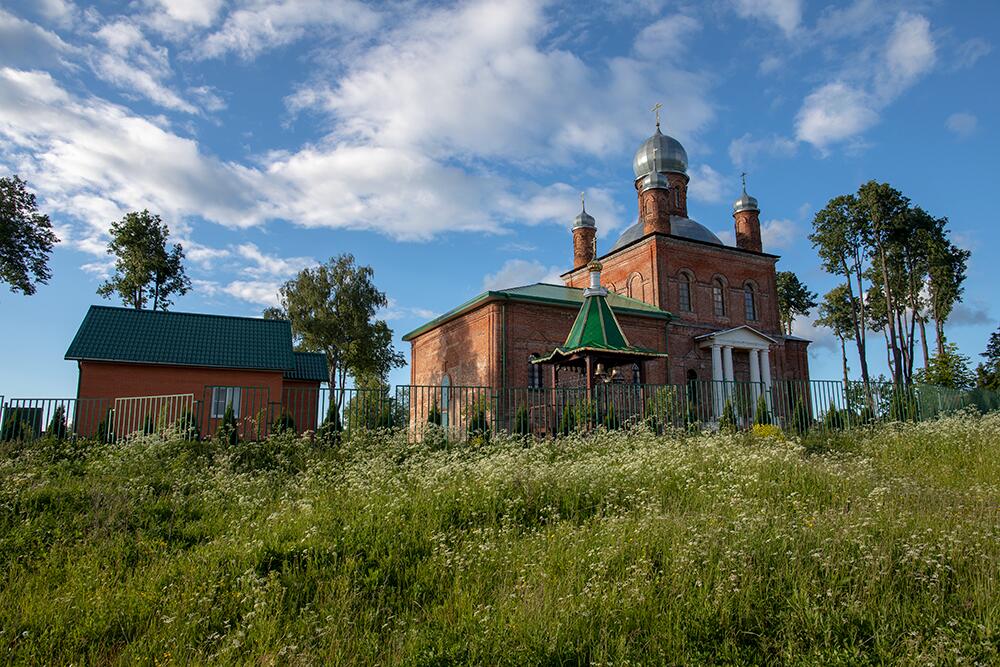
(595, 246)
(656, 109)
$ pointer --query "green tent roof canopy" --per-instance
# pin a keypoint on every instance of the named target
(596, 331)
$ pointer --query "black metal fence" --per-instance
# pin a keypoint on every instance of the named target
(463, 412)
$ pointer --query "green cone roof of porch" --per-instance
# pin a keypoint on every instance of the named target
(183, 339)
(596, 329)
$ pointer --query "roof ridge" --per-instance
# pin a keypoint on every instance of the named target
(98, 306)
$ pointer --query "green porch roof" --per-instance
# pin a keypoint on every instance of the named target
(309, 366)
(184, 339)
(558, 295)
(596, 329)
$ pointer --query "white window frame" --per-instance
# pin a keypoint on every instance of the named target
(221, 397)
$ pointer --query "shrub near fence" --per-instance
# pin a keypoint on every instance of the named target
(459, 412)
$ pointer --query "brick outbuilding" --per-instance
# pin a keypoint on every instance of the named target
(216, 360)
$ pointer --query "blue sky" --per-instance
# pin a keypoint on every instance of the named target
(445, 144)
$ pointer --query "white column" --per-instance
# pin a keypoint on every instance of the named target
(765, 371)
(717, 378)
(754, 379)
(727, 366)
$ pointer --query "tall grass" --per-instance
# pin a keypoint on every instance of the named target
(880, 546)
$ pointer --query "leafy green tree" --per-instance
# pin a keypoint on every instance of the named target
(988, 372)
(146, 272)
(839, 238)
(882, 211)
(794, 298)
(227, 431)
(26, 238)
(835, 313)
(57, 424)
(947, 264)
(434, 414)
(332, 310)
(951, 370)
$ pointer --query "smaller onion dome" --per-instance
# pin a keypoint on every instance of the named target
(654, 181)
(745, 202)
(584, 219)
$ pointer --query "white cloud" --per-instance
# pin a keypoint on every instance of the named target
(517, 272)
(70, 147)
(845, 108)
(706, 184)
(962, 124)
(263, 264)
(475, 83)
(204, 256)
(262, 292)
(746, 150)
(24, 44)
(129, 61)
(910, 54)
(259, 26)
(61, 12)
(667, 38)
(394, 311)
(823, 339)
(786, 14)
(560, 204)
(200, 13)
(777, 233)
(834, 112)
(970, 51)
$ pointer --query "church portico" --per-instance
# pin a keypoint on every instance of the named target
(757, 348)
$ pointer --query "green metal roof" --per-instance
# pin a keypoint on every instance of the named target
(185, 339)
(596, 329)
(309, 366)
(558, 295)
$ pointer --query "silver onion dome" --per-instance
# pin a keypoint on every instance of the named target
(654, 180)
(584, 219)
(660, 153)
(745, 202)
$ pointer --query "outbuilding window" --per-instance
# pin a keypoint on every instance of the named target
(222, 397)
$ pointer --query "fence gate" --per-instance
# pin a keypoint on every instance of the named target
(143, 415)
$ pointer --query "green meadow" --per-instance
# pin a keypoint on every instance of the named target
(877, 546)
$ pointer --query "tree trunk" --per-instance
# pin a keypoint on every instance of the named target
(923, 339)
(939, 326)
(858, 311)
(890, 306)
(843, 360)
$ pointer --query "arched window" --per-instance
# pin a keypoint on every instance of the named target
(684, 292)
(749, 305)
(718, 298)
(636, 374)
(534, 373)
(635, 286)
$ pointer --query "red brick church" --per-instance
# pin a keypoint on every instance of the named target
(673, 285)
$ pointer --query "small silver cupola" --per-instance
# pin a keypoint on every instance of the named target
(654, 180)
(584, 219)
(745, 202)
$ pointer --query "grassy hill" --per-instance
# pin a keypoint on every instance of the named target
(619, 548)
